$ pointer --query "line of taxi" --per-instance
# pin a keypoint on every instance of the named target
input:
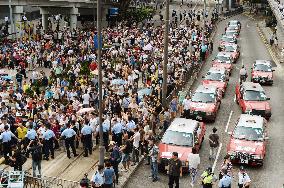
(185, 134)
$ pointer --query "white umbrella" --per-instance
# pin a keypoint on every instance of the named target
(148, 47)
(85, 110)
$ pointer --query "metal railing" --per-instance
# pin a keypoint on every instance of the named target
(49, 182)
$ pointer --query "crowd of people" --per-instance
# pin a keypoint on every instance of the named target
(53, 97)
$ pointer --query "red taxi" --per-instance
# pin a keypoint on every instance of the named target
(248, 140)
(181, 136)
(235, 23)
(262, 72)
(217, 77)
(252, 99)
(225, 60)
(234, 50)
(227, 40)
(205, 103)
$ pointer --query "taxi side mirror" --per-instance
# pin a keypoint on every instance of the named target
(273, 70)
(267, 98)
(203, 76)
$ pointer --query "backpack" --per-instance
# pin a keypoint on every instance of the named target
(37, 154)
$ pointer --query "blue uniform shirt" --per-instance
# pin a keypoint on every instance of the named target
(31, 134)
(225, 181)
(86, 130)
(68, 133)
(48, 134)
(117, 128)
(130, 125)
(6, 136)
(105, 125)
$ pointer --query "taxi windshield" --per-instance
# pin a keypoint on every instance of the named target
(231, 33)
(203, 97)
(251, 95)
(223, 59)
(215, 76)
(230, 49)
(178, 138)
(262, 67)
(248, 133)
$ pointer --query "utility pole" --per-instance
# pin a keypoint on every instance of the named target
(166, 53)
(99, 25)
(11, 19)
(204, 23)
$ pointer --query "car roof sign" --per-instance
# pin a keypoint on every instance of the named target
(252, 86)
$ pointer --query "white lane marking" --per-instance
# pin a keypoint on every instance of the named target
(242, 62)
(235, 98)
(228, 122)
(217, 156)
(242, 53)
(248, 25)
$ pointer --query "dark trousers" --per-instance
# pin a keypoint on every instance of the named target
(118, 138)
(241, 186)
(7, 149)
(207, 185)
(88, 144)
(108, 186)
(48, 148)
(69, 142)
(115, 168)
(105, 138)
(186, 114)
(173, 180)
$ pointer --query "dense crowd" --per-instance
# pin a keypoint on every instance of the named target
(60, 102)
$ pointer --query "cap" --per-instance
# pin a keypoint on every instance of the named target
(242, 168)
(209, 169)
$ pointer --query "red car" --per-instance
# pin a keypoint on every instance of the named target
(248, 141)
(205, 103)
(181, 136)
(217, 77)
(252, 99)
(223, 60)
(234, 50)
(262, 72)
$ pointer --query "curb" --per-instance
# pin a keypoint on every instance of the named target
(132, 172)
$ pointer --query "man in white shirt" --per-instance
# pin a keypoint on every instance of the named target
(186, 107)
(244, 179)
(135, 152)
(86, 100)
(193, 163)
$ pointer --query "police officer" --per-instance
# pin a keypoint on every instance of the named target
(31, 135)
(207, 178)
(226, 180)
(117, 132)
(69, 136)
(6, 138)
(86, 134)
(130, 126)
(106, 127)
(48, 140)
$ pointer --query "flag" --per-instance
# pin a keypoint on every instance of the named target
(96, 45)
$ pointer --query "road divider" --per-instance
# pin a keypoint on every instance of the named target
(229, 120)
(217, 156)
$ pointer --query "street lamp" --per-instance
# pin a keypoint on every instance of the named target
(99, 25)
(166, 54)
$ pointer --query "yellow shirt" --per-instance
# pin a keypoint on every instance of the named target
(22, 132)
(26, 87)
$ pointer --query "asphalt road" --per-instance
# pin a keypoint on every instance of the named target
(272, 173)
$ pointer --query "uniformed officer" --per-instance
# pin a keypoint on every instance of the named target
(6, 138)
(117, 132)
(48, 140)
(69, 136)
(86, 134)
(106, 127)
(130, 126)
(31, 135)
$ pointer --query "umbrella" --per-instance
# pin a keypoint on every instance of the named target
(148, 47)
(144, 91)
(8, 78)
(3, 72)
(84, 110)
(118, 82)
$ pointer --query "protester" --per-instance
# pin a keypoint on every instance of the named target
(98, 179)
(35, 147)
(193, 163)
(175, 170)
(153, 154)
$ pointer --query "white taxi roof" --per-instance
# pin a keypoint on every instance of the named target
(264, 62)
(220, 70)
(225, 54)
(252, 121)
(206, 89)
(183, 125)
